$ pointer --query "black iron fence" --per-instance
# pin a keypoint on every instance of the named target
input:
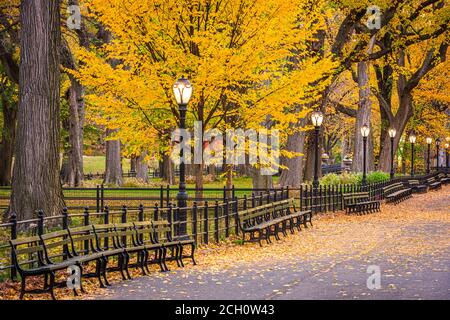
(207, 220)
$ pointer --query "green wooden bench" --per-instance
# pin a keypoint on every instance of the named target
(433, 184)
(443, 178)
(359, 203)
(417, 187)
(272, 219)
(396, 193)
(56, 251)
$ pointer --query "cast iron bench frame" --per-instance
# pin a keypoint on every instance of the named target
(98, 243)
(417, 187)
(271, 219)
(359, 203)
(434, 184)
(396, 193)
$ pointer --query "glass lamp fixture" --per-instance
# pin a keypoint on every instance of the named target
(365, 131)
(392, 133)
(182, 90)
(317, 118)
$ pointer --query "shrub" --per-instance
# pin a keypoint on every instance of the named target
(377, 176)
(333, 179)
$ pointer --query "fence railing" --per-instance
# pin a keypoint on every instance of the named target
(206, 221)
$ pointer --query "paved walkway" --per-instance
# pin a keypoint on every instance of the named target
(410, 243)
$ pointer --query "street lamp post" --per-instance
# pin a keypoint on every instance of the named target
(429, 141)
(392, 134)
(438, 143)
(412, 139)
(365, 130)
(316, 119)
(182, 90)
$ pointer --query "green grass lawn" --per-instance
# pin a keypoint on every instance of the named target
(94, 164)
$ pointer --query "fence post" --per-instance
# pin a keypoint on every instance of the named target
(169, 217)
(65, 226)
(86, 223)
(301, 197)
(124, 220)
(156, 213)
(40, 222)
(102, 197)
(161, 196)
(245, 202)
(106, 221)
(168, 195)
(205, 223)
(253, 200)
(141, 212)
(236, 215)
(227, 222)
(13, 221)
(216, 221)
(98, 199)
(194, 221)
(287, 193)
(224, 196)
(233, 192)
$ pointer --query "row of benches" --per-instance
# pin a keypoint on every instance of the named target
(272, 219)
(395, 193)
(56, 251)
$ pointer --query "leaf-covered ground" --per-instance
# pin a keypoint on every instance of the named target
(410, 243)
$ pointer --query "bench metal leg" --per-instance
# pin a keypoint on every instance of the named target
(104, 262)
(52, 285)
(180, 255)
(192, 254)
(22, 287)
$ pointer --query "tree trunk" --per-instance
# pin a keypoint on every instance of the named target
(167, 169)
(229, 180)
(400, 121)
(363, 117)
(133, 163)
(36, 182)
(142, 168)
(199, 180)
(7, 142)
(73, 175)
(113, 174)
(311, 155)
(260, 181)
(293, 176)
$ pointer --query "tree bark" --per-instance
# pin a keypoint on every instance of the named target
(8, 140)
(73, 172)
(167, 169)
(113, 174)
(36, 183)
(293, 176)
(260, 181)
(363, 117)
(311, 156)
(142, 168)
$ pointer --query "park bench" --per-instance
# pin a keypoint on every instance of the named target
(271, 219)
(417, 187)
(433, 184)
(443, 178)
(396, 193)
(359, 203)
(56, 251)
